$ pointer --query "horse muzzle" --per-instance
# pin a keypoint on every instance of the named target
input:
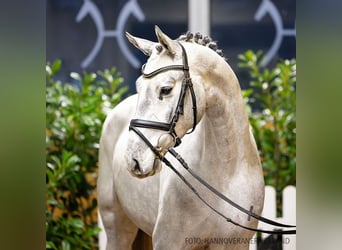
(136, 170)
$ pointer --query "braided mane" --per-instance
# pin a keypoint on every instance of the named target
(202, 40)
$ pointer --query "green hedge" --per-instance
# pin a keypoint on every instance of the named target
(74, 117)
(274, 124)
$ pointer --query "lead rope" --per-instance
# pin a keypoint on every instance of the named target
(212, 189)
(223, 197)
(186, 182)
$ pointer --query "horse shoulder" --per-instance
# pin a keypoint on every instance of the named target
(117, 120)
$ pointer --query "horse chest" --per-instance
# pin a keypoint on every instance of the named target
(137, 197)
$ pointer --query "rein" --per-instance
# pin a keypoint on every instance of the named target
(226, 199)
(170, 127)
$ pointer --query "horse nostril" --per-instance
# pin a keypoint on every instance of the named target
(136, 166)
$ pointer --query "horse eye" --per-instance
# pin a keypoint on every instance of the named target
(165, 91)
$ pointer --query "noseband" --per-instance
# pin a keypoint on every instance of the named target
(169, 127)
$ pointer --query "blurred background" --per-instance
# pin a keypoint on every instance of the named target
(89, 34)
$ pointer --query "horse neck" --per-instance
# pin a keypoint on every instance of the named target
(228, 142)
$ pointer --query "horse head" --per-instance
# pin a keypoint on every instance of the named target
(164, 111)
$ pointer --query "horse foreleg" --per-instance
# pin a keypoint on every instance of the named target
(119, 229)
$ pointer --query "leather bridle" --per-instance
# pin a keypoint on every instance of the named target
(186, 84)
(170, 128)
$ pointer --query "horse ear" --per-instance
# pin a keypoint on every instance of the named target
(144, 45)
(165, 41)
